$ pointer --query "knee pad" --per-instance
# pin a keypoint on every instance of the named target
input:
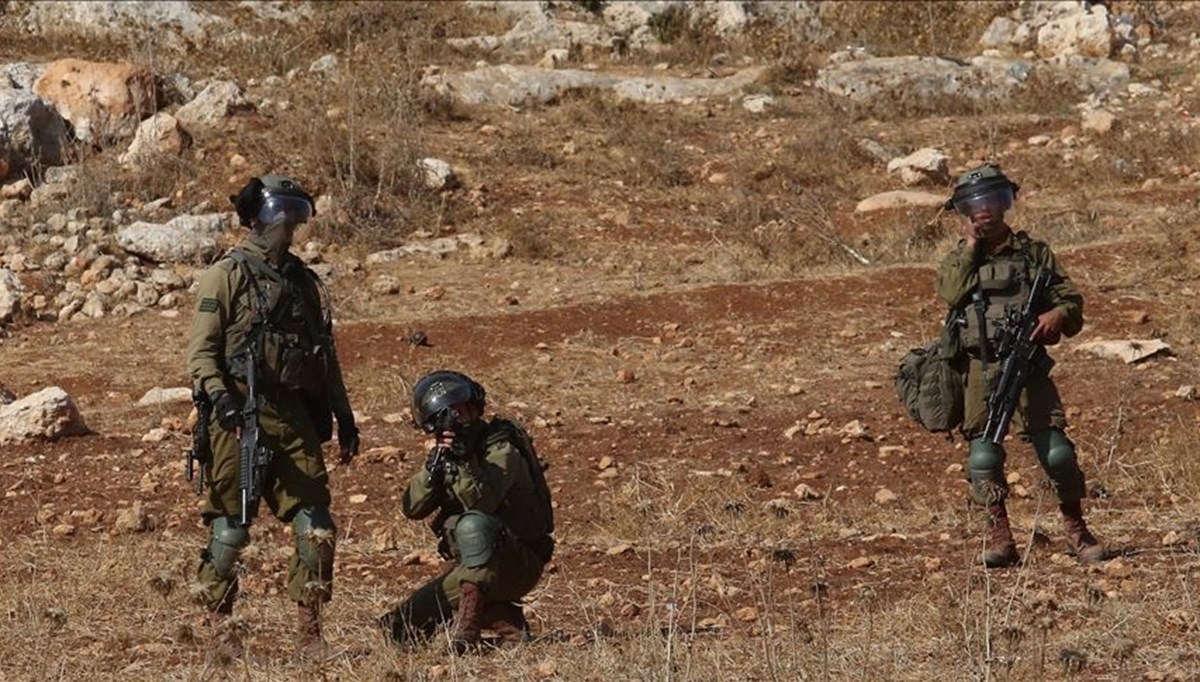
(227, 537)
(315, 534)
(1056, 453)
(1054, 449)
(985, 458)
(985, 471)
(477, 536)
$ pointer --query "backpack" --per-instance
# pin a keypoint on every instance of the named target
(515, 434)
(930, 387)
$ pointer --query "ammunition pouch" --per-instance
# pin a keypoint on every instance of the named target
(290, 363)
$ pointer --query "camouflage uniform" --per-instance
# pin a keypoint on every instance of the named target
(1005, 274)
(494, 478)
(300, 389)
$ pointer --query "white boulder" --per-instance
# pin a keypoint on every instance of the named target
(46, 415)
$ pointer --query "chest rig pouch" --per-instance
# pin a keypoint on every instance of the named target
(1003, 287)
(289, 329)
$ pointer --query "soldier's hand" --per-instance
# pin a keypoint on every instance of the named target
(226, 410)
(1049, 327)
(436, 463)
(348, 441)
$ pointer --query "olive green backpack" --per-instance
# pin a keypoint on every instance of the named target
(929, 382)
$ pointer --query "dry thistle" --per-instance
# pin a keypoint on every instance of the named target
(163, 584)
(56, 616)
(1072, 661)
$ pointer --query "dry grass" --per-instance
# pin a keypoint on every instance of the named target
(704, 543)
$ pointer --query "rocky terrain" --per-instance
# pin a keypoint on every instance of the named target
(686, 244)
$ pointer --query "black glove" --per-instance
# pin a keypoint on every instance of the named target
(226, 410)
(347, 439)
(437, 462)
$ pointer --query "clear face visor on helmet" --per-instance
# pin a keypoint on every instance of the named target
(994, 200)
(295, 210)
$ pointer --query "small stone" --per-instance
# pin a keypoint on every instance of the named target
(617, 550)
(805, 491)
(746, 614)
(546, 669)
(862, 562)
(1172, 538)
(885, 496)
(626, 376)
(605, 463)
(63, 529)
(358, 498)
(791, 431)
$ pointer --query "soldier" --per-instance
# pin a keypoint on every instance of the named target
(988, 273)
(493, 518)
(260, 299)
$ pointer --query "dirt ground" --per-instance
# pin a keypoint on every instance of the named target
(739, 494)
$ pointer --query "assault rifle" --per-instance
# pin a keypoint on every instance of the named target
(201, 450)
(442, 421)
(1020, 357)
(254, 458)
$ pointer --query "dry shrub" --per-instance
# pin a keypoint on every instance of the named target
(903, 28)
(359, 134)
(526, 145)
(531, 237)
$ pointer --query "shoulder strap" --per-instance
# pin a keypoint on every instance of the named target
(505, 430)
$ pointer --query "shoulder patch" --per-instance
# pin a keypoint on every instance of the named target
(207, 305)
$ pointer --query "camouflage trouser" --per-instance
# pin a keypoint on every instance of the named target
(297, 479)
(511, 573)
(1039, 419)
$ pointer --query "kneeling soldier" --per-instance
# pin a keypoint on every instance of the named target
(493, 517)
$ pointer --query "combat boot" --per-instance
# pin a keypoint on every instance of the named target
(468, 620)
(226, 642)
(507, 620)
(1001, 550)
(1080, 540)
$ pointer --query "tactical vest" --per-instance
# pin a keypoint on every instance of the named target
(1004, 283)
(503, 430)
(288, 328)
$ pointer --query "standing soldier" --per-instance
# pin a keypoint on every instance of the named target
(493, 517)
(259, 306)
(988, 274)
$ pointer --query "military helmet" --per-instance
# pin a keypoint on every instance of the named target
(437, 392)
(270, 198)
(983, 187)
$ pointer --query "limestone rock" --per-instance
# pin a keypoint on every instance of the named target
(104, 17)
(161, 396)
(101, 100)
(46, 415)
(1128, 351)
(514, 85)
(926, 165)
(899, 199)
(1084, 32)
(159, 135)
(1098, 121)
(20, 75)
(10, 295)
(31, 133)
(437, 174)
(213, 105)
(182, 239)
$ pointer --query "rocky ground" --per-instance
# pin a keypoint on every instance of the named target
(685, 244)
